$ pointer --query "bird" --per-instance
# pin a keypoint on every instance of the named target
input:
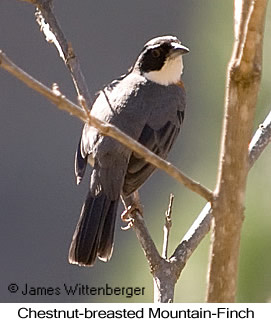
(148, 104)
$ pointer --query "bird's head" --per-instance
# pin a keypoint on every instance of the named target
(161, 60)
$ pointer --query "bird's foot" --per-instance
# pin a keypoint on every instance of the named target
(128, 215)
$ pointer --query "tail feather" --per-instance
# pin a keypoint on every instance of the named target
(107, 239)
(94, 234)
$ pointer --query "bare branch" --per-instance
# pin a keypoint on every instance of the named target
(51, 94)
(53, 34)
(192, 238)
(34, 2)
(260, 140)
(146, 241)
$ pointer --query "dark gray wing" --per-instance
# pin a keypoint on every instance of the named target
(159, 142)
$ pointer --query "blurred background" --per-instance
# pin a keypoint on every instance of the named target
(39, 200)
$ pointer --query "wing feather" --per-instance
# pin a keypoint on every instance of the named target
(159, 142)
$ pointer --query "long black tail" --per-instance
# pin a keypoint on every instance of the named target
(94, 233)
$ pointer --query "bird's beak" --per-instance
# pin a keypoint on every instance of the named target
(178, 49)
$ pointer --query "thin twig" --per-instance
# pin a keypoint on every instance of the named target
(260, 140)
(192, 238)
(34, 2)
(167, 227)
(53, 34)
(51, 94)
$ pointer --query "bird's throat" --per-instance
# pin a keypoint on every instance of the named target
(169, 74)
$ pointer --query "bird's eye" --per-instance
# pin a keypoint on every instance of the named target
(155, 53)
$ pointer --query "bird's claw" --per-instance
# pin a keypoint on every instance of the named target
(129, 225)
(128, 216)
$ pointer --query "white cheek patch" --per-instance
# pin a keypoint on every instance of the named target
(170, 73)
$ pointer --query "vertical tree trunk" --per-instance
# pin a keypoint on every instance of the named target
(242, 88)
